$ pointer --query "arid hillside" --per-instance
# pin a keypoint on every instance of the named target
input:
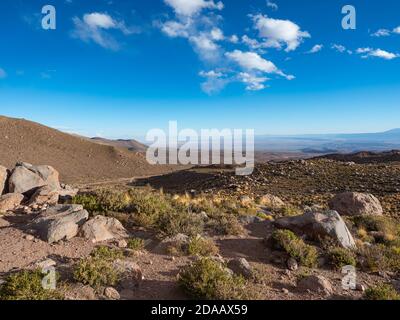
(77, 159)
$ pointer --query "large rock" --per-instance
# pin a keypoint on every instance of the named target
(26, 177)
(102, 228)
(3, 179)
(241, 267)
(60, 222)
(10, 201)
(316, 225)
(315, 284)
(130, 273)
(356, 204)
(45, 195)
(271, 201)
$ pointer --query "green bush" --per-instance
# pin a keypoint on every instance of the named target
(136, 244)
(382, 292)
(295, 247)
(27, 285)
(340, 257)
(226, 224)
(380, 258)
(97, 269)
(180, 221)
(199, 246)
(386, 226)
(208, 279)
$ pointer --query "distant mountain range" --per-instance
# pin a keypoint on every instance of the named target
(331, 143)
(131, 145)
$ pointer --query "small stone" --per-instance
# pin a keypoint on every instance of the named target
(292, 264)
(29, 237)
(111, 293)
(122, 244)
(360, 287)
(285, 291)
(317, 284)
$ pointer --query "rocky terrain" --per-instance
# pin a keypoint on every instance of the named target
(286, 232)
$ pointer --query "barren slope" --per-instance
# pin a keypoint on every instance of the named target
(77, 159)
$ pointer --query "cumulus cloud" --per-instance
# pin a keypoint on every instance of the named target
(378, 53)
(93, 27)
(276, 32)
(191, 7)
(201, 31)
(252, 61)
(397, 30)
(3, 74)
(253, 82)
(316, 48)
(272, 5)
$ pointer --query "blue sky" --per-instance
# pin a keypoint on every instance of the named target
(119, 68)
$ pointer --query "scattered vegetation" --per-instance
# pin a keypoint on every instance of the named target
(226, 224)
(136, 244)
(382, 292)
(208, 279)
(379, 258)
(199, 246)
(27, 285)
(97, 269)
(340, 257)
(295, 247)
(378, 229)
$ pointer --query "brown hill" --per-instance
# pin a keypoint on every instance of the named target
(131, 145)
(77, 159)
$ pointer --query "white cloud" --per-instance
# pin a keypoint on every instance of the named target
(251, 43)
(276, 32)
(381, 33)
(175, 29)
(99, 20)
(397, 30)
(217, 34)
(272, 5)
(251, 61)
(316, 48)
(3, 74)
(340, 48)
(94, 26)
(211, 74)
(253, 83)
(201, 31)
(192, 7)
(234, 38)
(379, 53)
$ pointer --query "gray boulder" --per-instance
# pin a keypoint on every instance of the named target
(26, 177)
(60, 222)
(316, 224)
(102, 228)
(241, 267)
(356, 204)
(315, 284)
